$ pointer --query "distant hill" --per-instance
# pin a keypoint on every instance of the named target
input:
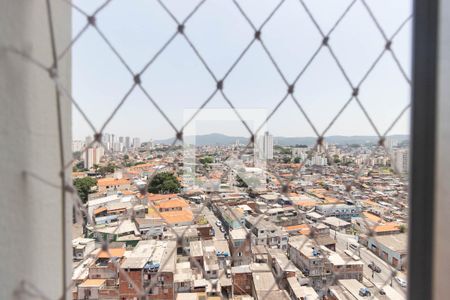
(221, 139)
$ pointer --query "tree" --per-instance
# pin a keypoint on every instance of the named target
(164, 183)
(286, 159)
(206, 160)
(402, 228)
(336, 159)
(297, 160)
(240, 182)
(110, 168)
(77, 154)
(125, 157)
(285, 150)
(249, 182)
(83, 186)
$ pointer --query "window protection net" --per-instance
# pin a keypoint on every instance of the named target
(353, 177)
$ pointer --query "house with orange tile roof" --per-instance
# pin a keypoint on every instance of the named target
(174, 211)
(305, 204)
(155, 198)
(178, 218)
(385, 229)
(113, 184)
(172, 205)
(90, 289)
(303, 229)
(371, 217)
(105, 268)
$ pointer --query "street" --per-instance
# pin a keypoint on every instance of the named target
(382, 279)
(212, 219)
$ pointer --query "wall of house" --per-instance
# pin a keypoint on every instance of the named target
(242, 284)
(124, 289)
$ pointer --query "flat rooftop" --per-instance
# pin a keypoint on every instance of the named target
(156, 252)
(395, 242)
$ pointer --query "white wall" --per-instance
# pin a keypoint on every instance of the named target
(31, 240)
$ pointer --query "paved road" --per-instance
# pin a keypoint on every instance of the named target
(212, 219)
(379, 279)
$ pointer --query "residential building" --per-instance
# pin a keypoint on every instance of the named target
(311, 260)
(150, 228)
(151, 265)
(391, 248)
(136, 143)
(90, 289)
(266, 233)
(265, 146)
(82, 247)
(282, 267)
(342, 211)
(400, 161)
(299, 292)
(240, 247)
(113, 185)
(92, 156)
(320, 264)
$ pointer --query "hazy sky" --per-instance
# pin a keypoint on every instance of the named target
(177, 80)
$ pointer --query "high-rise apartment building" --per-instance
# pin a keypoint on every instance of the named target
(136, 142)
(92, 156)
(265, 145)
(106, 140)
(127, 142)
(400, 161)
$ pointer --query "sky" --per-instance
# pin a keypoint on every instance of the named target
(179, 82)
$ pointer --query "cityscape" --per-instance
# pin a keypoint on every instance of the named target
(318, 221)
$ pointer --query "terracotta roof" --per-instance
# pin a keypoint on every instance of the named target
(99, 210)
(172, 203)
(388, 227)
(296, 227)
(306, 203)
(92, 283)
(301, 229)
(113, 252)
(305, 231)
(159, 197)
(180, 216)
(112, 181)
(371, 217)
(142, 166)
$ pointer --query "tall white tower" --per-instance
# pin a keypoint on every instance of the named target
(265, 145)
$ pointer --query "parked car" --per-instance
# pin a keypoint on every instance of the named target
(374, 267)
(221, 229)
(348, 253)
(364, 292)
(382, 292)
(353, 256)
(401, 281)
(218, 223)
